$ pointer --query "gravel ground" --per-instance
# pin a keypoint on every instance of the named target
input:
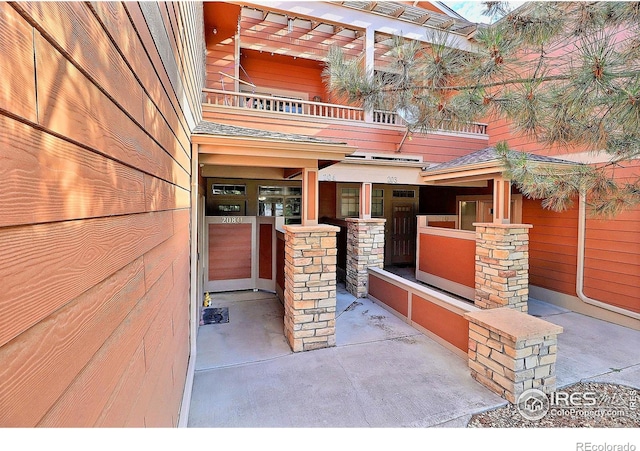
(616, 406)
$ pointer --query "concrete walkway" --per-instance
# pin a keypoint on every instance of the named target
(381, 374)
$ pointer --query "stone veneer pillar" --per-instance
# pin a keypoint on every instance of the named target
(511, 352)
(502, 265)
(365, 249)
(310, 286)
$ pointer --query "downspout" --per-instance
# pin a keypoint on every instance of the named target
(193, 307)
(582, 229)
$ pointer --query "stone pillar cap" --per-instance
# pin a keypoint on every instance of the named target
(513, 324)
(295, 228)
(365, 220)
(502, 226)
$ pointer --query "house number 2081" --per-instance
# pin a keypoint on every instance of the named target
(231, 220)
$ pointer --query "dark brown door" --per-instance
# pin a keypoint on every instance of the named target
(403, 234)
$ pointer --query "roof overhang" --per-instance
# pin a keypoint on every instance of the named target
(290, 156)
(477, 174)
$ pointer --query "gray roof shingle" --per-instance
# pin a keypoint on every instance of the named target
(212, 128)
(487, 155)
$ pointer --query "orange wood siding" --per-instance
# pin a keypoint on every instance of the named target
(280, 260)
(446, 324)
(327, 199)
(612, 252)
(17, 93)
(393, 296)
(552, 247)
(434, 147)
(450, 258)
(265, 263)
(283, 72)
(226, 240)
(95, 223)
(612, 260)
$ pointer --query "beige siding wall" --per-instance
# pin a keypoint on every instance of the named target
(96, 107)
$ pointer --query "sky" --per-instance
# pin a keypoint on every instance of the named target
(472, 10)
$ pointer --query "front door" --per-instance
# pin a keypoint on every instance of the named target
(240, 253)
(403, 234)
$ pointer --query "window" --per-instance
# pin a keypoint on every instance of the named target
(229, 190)
(468, 214)
(234, 208)
(377, 202)
(349, 202)
(281, 201)
(404, 193)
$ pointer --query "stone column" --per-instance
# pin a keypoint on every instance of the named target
(310, 286)
(502, 265)
(365, 249)
(511, 352)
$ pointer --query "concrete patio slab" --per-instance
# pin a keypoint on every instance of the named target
(590, 348)
(253, 333)
(382, 373)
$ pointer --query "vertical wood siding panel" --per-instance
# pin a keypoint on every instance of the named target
(75, 29)
(83, 402)
(67, 258)
(46, 179)
(40, 363)
(17, 90)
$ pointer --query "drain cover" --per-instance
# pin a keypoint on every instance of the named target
(215, 315)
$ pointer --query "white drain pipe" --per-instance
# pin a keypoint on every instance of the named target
(582, 231)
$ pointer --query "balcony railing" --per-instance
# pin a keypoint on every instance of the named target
(282, 105)
(298, 107)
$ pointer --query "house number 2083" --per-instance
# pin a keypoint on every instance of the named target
(231, 220)
(392, 179)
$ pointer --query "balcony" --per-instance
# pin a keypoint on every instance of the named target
(298, 108)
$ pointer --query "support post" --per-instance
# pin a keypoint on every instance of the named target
(309, 196)
(310, 286)
(501, 201)
(502, 265)
(365, 249)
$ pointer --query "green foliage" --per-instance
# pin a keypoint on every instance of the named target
(565, 74)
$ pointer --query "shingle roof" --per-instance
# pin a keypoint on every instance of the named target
(212, 128)
(488, 155)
